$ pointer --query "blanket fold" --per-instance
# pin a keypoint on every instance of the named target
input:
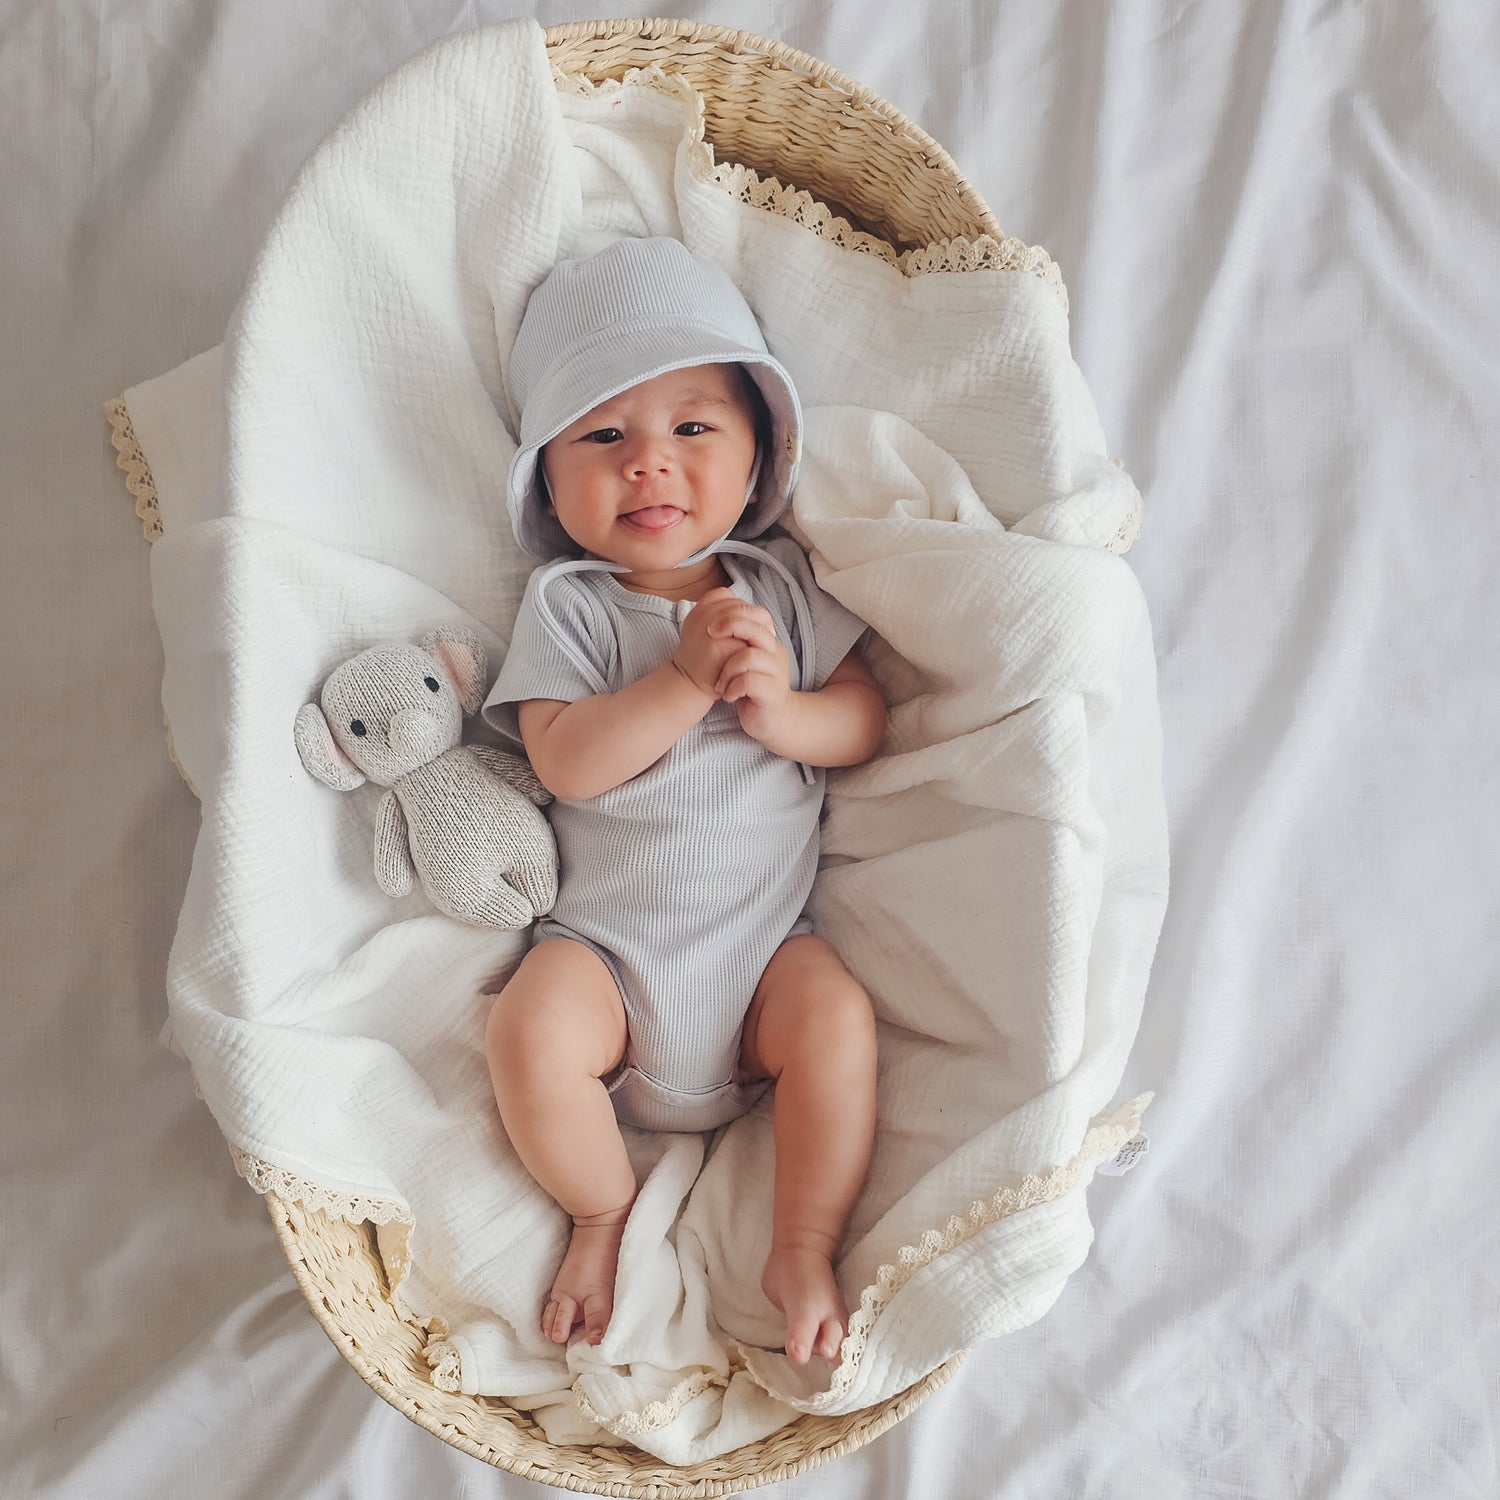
(996, 877)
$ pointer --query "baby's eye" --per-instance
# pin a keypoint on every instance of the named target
(703, 425)
(609, 434)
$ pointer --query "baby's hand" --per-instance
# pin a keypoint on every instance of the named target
(756, 678)
(709, 637)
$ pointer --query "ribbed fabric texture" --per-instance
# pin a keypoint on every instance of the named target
(629, 287)
(686, 878)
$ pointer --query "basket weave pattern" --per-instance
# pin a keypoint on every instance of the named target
(338, 1269)
(787, 115)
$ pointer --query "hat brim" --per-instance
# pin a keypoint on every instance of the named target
(627, 354)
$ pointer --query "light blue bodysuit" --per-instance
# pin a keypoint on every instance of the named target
(686, 878)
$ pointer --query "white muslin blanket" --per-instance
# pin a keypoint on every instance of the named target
(996, 877)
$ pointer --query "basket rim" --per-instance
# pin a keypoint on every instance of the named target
(779, 54)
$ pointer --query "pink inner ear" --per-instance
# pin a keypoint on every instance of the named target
(331, 747)
(461, 667)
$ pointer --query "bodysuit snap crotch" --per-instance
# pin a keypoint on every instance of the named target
(696, 1086)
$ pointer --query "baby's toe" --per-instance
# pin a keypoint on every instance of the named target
(800, 1333)
(563, 1314)
(831, 1335)
(596, 1310)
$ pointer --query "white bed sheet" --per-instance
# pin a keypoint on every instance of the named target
(1278, 224)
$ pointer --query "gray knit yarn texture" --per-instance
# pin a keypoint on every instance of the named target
(464, 819)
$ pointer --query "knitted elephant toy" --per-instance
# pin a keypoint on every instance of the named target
(466, 818)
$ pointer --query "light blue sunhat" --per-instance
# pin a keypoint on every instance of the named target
(599, 324)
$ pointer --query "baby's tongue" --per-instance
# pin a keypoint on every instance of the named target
(654, 515)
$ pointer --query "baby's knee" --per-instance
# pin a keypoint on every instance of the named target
(836, 1020)
(551, 1021)
(525, 1027)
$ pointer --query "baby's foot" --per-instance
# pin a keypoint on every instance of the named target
(584, 1287)
(800, 1282)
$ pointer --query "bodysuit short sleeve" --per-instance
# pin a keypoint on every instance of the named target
(836, 630)
(559, 649)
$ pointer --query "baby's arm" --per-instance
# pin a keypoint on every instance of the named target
(841, 724)
(591, 746)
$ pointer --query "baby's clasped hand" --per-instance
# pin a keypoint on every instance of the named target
(756, 677)
(729, 649)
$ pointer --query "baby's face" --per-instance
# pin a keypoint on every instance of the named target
(657, 472)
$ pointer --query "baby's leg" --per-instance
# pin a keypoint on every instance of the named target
(811, 1028)
(555, 1029)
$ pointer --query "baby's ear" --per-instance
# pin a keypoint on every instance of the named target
(461, 655)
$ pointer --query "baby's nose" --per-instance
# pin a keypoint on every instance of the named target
(648, 456)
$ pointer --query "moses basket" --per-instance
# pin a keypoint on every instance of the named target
(841, 161)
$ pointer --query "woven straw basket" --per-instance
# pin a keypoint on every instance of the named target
(850, 167)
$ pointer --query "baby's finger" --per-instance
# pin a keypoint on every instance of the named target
(717, 602)
(736, 609)
(740, 662)
(746, 684)
(757, 633)
(748, 628)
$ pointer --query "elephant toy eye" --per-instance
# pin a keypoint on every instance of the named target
(431, 682)
(357, 726)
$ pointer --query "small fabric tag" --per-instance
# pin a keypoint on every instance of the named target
(1125, 1158)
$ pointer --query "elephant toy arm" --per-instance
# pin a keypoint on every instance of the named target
(394, 870)
(514, 771)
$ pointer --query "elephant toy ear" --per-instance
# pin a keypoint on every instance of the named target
(461, 654)
(321, 756)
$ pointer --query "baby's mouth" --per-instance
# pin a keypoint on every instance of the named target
(652, 518)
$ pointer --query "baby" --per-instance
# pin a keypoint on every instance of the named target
(679, 691)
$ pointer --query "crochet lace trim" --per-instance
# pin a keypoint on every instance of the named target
(773, 196)
(1130, 527)
(446, 1366)
(139, 482)
(265, 1177)
(138, 478)
(1102, 1141)
(958, 254)
(655, 1414)
(354, 1208)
